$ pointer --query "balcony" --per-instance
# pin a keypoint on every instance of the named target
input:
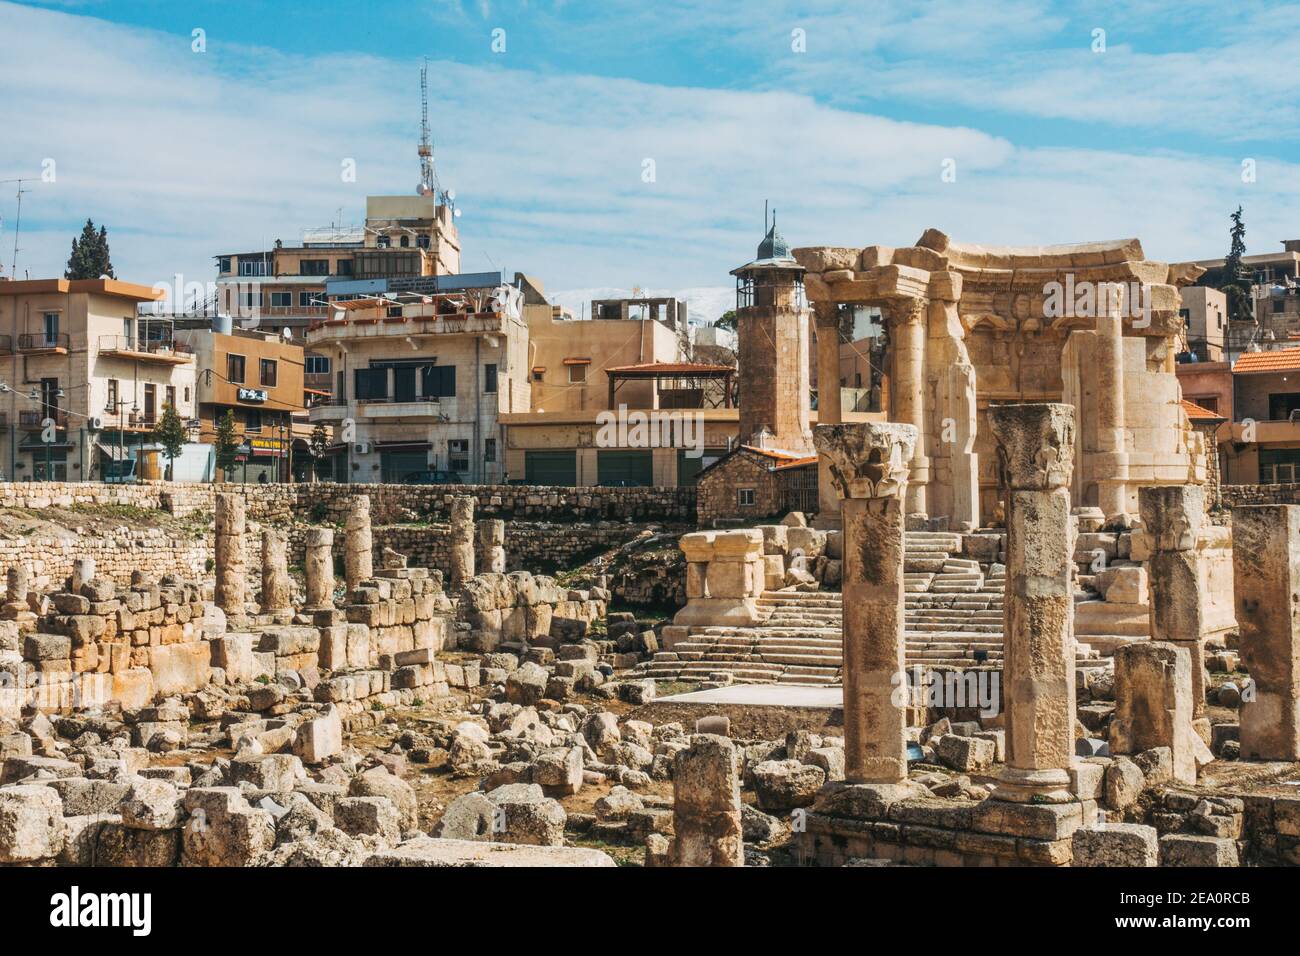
(435, 409)
(34, 419)
(159, 351)
(1267, 432)
(44, 343)
(399, 328)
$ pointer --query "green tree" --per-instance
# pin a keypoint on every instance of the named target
(227, 443)
(90, 258)
(727, 320)
(170, 433)
(1235, 284)
(317, 444)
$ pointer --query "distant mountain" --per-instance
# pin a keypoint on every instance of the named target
(704, 304)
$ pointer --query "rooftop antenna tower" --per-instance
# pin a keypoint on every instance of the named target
(18, 219)
(428, 175)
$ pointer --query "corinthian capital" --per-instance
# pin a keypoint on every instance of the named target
(867, 459)
(1035, 444)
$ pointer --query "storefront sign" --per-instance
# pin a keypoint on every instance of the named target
(252, 395)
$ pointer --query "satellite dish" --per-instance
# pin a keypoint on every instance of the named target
(456, 212)
(287, 333)
(105, 275)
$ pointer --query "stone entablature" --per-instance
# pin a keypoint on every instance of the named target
(973, 326)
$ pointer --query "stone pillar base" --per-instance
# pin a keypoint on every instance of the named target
(1050, 785)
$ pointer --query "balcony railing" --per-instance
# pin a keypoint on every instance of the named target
(35, 418)
(43, 341)
(161, 347)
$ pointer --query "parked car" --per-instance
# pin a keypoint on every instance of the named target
(431, 478)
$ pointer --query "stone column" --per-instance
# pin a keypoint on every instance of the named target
(1266, 575)
(462, 540)
(1035, 446)
(18, 582)
(828, 402)
(907, 391)
(1153, 704)
(358, 563)
(868, 464)
(275, 573)
(1172, 517)
(954, 469)
(83, 572)
(492, 540)
(1110, 464)
(318, 563)
(228, 555)
(706, 805)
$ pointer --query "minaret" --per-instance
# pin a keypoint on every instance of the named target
(772, 339)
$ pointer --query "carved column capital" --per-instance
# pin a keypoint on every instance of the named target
(867, 459)
(1035, 445)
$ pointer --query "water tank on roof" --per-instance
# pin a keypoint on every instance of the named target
(222, 325)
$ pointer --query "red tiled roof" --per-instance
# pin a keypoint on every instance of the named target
(1198, 413)
(783, 456)
(1279, 360)
(797, 463)
(672, 368)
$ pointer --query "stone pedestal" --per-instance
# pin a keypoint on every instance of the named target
(18, 582)
(228, 555)
(725, 575)
(461, 560)
(706, 805)
(1035, 446)
(1172, 517)
(1266, 569)
(1153, 704)
(275, 573)
(492, 542)
(868, 463)
(358, 559)
(318, 563)
(83, 573)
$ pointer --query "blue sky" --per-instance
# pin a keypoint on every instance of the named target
(1054, 139)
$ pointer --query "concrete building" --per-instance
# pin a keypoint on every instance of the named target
(258, 378)
(422, 378)
(1205, 324)
(1263, 444)
(76, 354)
(284, 287)
(1275, 288)
(615, 401)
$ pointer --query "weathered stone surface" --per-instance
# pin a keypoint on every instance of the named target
(427, 851)
(31, 824)
(782, 785)
(1116, 844)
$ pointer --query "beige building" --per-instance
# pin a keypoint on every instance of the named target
(615, 401)
(421, 382)
(1205, 324)
(75, 353)
(285, 287)
(258, 378)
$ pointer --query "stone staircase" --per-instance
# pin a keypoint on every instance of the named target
(952, 615)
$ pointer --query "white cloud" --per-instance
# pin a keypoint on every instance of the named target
(187, 155)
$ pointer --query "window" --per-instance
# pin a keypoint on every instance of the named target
(344, 267)
(1209, 402)
(489, 378)
(252, 419)
(223, 265)
(111, 403)
(439, 381)
(281, 300)
(267, 371)
(1278, 304)
(458, 454)
(1186, 316)
(250, 300)
(490, 450)
(170, 396)
(51, 325)
(577, 374)
(372, 384)
(316, 365)
(745, 497)
(187, 394)
(538, 373)
(405, 242)
(305, 299)
(128, 330)
(235, 369)
(314, 267)
(383, 242)
(252, 267)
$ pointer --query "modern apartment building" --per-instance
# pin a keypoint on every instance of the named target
(258, 378)
(422, 377)
(83, 378)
